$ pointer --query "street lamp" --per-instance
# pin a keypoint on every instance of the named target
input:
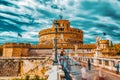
(83, 51)
(56, 25)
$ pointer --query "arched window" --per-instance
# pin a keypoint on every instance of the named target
(61, 29)
(67, 26)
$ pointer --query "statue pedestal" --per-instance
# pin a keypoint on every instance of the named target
(98, 54)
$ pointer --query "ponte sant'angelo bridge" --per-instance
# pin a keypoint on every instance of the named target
(20, 60)
(20, 67)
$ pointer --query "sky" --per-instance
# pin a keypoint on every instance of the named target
(28, 17)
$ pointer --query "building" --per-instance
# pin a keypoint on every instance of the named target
(69, 39)
(65, 34)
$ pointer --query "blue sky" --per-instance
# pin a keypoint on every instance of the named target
(28, 17)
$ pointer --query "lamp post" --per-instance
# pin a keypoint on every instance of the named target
(83, 51)
(56, 25)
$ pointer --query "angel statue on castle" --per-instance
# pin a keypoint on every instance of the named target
(97, 42)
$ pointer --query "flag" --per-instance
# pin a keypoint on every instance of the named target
(19, 35)
(104, 33)
(111, 44)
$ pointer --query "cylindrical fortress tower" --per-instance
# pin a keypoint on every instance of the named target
(65, 34)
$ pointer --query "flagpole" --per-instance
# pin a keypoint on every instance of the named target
(17, 39)
(19, 36)
(103, 34)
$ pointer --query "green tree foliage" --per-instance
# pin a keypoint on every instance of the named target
(27, 77)
(117, 47)
(36, 77)
(118, 53)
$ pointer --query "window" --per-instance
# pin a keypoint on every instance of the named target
(61, 29)
(61, 25)
(67, 26)
(100, 62)
(106, 63)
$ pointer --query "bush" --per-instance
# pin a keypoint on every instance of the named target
(17, 79)
(118, 53)
(43, 79)
(37, 77)
(27, 77)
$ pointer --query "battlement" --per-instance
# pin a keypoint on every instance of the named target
(16, 45)
(1, 46)
(65, 34)
(89, 46)
(41, 46)
(1, 50)
(61, 21)
(108, 50)
(104, 41)
(85, 46)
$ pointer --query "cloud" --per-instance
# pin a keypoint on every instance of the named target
(28, 17)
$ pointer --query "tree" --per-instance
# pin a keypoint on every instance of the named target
(27, 77)
(118, 53)
(117, 47)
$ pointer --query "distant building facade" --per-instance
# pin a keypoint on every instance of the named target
(69, 39)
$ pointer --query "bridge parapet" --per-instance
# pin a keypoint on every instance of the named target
(107, 63)
(55, 73)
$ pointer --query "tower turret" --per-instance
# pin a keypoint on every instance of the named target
(104, 44)
(65, 34)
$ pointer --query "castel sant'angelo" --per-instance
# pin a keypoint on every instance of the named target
(69, 40)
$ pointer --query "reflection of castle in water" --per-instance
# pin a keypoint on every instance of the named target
(67, 38)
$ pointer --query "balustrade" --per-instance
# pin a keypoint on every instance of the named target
(106, 63)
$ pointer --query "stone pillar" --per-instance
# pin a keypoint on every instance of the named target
(21, 68)
(119, 65)
(98, 62)
(103, 63)
(85, 59)
(61, 74)
(82, 59)
(95, 61)
(110, 65)
(91, 60)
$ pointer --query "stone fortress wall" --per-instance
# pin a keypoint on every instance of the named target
(68, 38)
(1, 50)
(65, 34)
(15, 49)
(14, 66)
(26, 50)
(9, 67)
